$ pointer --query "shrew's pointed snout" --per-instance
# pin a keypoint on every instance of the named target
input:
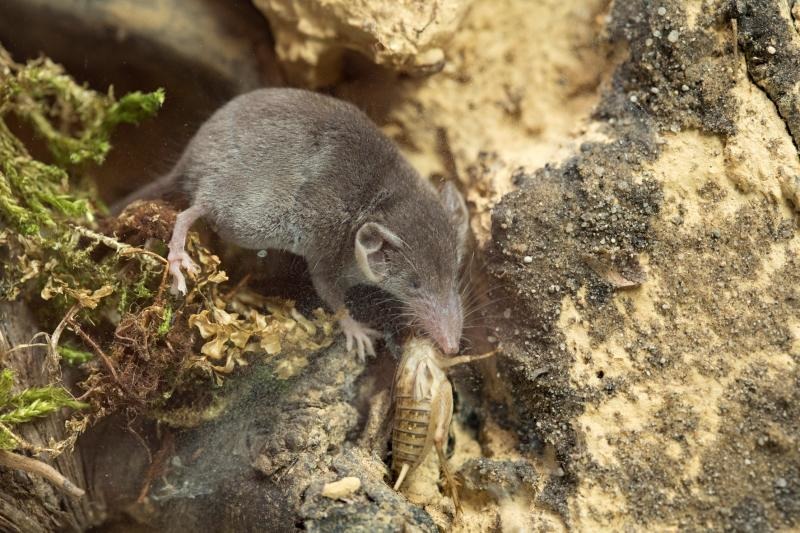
(445, 324)
(448, 345)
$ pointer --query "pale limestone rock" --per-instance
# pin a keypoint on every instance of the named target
(404, 35)
(341, 489)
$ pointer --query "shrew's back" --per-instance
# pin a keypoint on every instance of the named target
(274, 167)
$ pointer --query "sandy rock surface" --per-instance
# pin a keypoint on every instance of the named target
(632, 171)
(405, 35)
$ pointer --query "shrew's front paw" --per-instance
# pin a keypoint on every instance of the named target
(358, 336)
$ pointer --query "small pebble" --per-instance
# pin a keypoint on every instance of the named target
(527, 259)
(634, 99)
(781, 483)
(662, 11)
(341, 489)
(771, 50)
(684, 87)
(648, 42)
(507, 314)
(673, 36)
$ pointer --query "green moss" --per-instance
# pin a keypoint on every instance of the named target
(48, 249)
(8, 441)
(75, 123)
(166, 322)
(133, 108)
(140, 289)
(28, 405)
(40, 204)
(74, 356)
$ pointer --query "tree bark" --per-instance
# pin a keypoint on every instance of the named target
(28, 502)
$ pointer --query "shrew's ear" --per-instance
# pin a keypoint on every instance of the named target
(457, 212)
(372, 241)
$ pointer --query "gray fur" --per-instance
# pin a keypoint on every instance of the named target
(300, 171)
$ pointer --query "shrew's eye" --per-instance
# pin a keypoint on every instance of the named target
(415, 283)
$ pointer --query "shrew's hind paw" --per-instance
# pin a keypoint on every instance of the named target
(178, 260)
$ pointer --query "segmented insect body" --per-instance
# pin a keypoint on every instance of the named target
(419, 380)
(423, 403)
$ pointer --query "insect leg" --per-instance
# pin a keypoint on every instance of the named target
(447, 362)
(443, 411)
(401, 477)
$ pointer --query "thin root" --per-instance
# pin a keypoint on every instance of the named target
(158, 465)
(34, 466)
(53, 357)
(93, 345)
(23, 346)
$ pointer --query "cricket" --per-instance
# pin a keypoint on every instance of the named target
(423, 403)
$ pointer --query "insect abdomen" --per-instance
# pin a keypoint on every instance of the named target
(410, 432)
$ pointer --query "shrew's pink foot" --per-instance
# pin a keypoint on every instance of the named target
(177, 253)
(358, 335)
(180, 259)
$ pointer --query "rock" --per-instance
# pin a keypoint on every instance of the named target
(701, 357)
(761, 25)
(342, 489)
(497, 479)
(404, 35)
(374, 508)
(790, 186)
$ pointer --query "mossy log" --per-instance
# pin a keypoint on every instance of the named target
(27, 501)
